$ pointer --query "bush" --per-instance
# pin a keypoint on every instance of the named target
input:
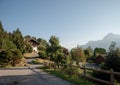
(10, 57)
(42, 54)
(28, 48)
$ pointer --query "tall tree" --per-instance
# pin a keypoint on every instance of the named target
(88, 52)
(27, 37)
(18, 40)
(112, 47)
(56, 52)
(54, 48)
(43, 43)
(54, 41)
(42, 48)
(9, 54)
(78, 55)
(99, 51)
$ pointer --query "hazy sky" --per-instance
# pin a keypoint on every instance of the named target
(73, 21)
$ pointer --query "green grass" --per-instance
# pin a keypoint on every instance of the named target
(73, 79)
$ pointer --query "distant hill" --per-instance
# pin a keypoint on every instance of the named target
(105, 42)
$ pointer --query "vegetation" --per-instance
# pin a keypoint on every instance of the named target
(88, 52)
(74, 79)
(112, 62)
(78, 55)
(99, 51)
(12, 46)
(42, 48)
(58, 53)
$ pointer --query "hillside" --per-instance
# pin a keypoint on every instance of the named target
(105, 42)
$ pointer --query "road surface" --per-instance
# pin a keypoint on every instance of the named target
(29, 76)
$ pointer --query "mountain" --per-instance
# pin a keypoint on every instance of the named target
(105, 42)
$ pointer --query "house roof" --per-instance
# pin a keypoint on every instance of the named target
(100, 59)
(34, 41)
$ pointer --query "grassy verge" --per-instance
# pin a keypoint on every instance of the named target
(74, 79)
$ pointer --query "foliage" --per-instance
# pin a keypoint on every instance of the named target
(10, 54)
(54, 41)
(78, 55)
(56, 52)
(112, 47)
(27, 37)
(42, 54)
(7, 44)
(73, 79)
(43, 44)
(1, 28)
(88, 52)
(10, 57)
(99, 51)
(113, 58)
(18, 40)
(42, 48)
(112, 62)
(27, 47)
(34, 38)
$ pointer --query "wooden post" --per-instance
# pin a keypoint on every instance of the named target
(84, 73)
(111, 77)
(50, 65)
(84, 70)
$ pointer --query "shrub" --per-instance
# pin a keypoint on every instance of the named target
(42, 54)
(10, 57)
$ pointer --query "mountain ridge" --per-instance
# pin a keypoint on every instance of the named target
(105, 42)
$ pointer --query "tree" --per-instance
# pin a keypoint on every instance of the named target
(54, 48)
(112, 62)
(34, 38)
(42, 54)
(42, 48)
(56, 52)
(112, 47)
(99, 51)
(27, 37)
(9, 54)
(113, 58)
(6, 44)
(78, 55)
(88, 52)
(1, 28)
(43, 44)
(10, 57)
(54, 41)
(28, 48)
(18, 40)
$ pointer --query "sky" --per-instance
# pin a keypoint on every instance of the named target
(72, 21)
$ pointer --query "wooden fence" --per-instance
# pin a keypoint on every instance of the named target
(85, 69)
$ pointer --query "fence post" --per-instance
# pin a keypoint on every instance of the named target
(84, 70)
(111, 77)
(50, 65)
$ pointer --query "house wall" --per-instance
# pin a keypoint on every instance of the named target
(35, 49)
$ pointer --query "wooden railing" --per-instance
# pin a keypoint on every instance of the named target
(85, 69)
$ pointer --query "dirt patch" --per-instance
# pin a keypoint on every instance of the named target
(28, 55)
(43, 60)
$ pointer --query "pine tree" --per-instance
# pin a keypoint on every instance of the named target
(18, 40)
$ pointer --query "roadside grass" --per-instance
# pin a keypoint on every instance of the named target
(74, 79)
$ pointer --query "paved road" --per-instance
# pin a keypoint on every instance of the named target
(28, 76)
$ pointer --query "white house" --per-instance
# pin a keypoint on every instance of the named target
(34, 44)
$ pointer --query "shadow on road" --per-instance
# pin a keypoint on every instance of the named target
(16, 68)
